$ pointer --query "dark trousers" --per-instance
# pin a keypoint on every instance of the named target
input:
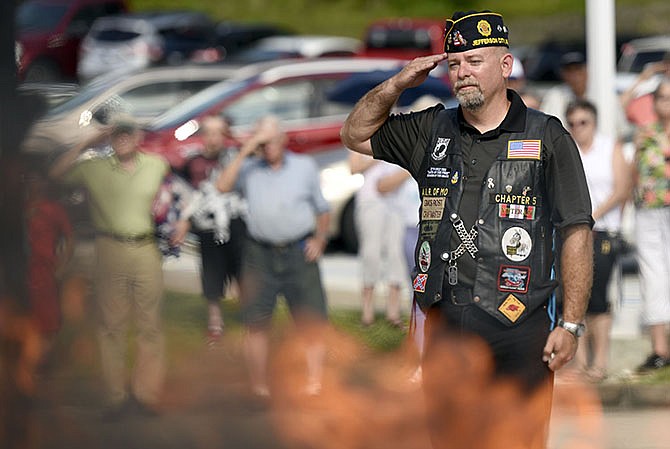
(220, 262)
(486, 385)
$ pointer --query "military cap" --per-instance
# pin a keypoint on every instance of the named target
(475, 29)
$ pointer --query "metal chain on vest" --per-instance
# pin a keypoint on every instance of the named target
(467, 240)
(467, 244)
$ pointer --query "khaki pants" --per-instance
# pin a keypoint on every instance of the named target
(129, 285)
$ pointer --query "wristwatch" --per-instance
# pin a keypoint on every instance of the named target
(576, 329)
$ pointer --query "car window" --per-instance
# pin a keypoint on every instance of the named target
(644, 58)
(328, 107)
(114, 35)
(156, 98)
(199, 103)
(36, 16)
(288, 101)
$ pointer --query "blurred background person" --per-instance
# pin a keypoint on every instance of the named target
(638, 100)
(128, 276)
(517, 81)
(652, 226)
(50, 248)
(288, 233)
(217, 219)
(608, 178)
(403, 195)
(574, 76)
(380, 230)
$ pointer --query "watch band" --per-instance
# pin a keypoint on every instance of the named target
(576, 329)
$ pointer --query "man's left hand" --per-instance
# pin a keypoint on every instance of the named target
(314, 248)
(560, 348)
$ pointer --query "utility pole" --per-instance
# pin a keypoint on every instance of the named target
(601, 63)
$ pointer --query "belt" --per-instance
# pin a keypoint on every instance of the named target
(281, 246)
(128, 238)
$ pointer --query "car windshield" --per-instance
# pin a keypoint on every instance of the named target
(38, 16)
(198, 103)
(90, 91)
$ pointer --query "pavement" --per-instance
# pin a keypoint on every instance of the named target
(630, 345)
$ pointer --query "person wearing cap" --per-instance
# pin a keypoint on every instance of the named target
(128, 277)
(573, 86)
(497, 180)
(517, 81)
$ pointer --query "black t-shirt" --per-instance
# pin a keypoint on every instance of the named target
(403, 140)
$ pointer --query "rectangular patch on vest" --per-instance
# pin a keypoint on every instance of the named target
(419, 283)
(524, 149)
(432, 208)
(428, 230)
(512, 308)
(513, 279)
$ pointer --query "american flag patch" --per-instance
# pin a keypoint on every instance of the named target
(524, 149)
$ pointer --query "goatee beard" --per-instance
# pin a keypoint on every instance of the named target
(471, 102)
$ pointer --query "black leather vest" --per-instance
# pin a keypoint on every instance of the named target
(514, 235)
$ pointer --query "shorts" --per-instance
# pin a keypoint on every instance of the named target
(220, 262)
(268, 271)
(604, 258)
(652, 240)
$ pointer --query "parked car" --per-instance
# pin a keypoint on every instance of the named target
(234, 37)
(637, 53)
(49, 32)
(300, 94)
(143, 94)
(298, 46)
(404, 38)
(139, 40)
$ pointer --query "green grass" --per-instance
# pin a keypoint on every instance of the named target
(185, 317)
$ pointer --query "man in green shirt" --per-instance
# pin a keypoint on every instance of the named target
(128, 276)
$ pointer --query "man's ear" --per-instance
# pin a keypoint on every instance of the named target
(506, 62)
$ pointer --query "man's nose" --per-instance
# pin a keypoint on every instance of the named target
(463, 71)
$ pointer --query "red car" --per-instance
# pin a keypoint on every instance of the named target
(48, 34)
(404, 38)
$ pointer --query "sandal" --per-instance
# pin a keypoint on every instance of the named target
(214, 336)
(596, 374)
(397, 323)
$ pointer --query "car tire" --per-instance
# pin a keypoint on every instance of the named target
(42, 71)
(348, 234)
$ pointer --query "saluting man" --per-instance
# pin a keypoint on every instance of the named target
(496, 180)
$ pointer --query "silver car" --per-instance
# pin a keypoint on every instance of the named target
(139, 40)
(144, 95)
